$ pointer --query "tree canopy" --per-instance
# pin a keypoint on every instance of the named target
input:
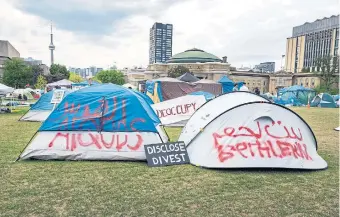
(17, 74)
(111, 76)
(326, 68)
(75, 77)
(59, 69)
(41, 82)
(177, 71)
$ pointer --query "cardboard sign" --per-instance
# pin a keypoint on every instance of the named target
(178, 109)
(58, 96)
(164, 154)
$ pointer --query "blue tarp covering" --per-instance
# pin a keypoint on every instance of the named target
(227, 84)
(208, 96)
(149, 86)
(44, 102)
(85, 83)
(147, 98)
(296, 95)
(107, 107)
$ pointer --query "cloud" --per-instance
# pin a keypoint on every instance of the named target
(102, 32)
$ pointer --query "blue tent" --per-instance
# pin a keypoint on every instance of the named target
(323, 100)
(42, 108)
(207, 95)
(227, 84)
(100, 122)
(119, 103)
(296, 95)
(44, 102)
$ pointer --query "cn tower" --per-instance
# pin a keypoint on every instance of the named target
(52, 47)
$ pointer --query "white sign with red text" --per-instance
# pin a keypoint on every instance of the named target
(178, 109)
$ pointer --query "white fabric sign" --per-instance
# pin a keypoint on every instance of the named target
(58, 96)
(80, 145)
(178, 109)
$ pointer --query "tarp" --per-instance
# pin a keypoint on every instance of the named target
(208, 96)
(227, 84)
(61, 83)
(42, 108)
(205, 81)
(295, 95)
(178, 110)
(101, 122)
(254, 134)
(188, 77)
(127, 85)
(323, 100)
(160, 91)
(23, 92)
(85, 83)
(5, 89)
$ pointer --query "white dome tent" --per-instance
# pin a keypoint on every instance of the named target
(255, 134)
(212, 109)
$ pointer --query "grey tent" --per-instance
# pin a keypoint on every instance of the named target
(188, 77)
(61, 83)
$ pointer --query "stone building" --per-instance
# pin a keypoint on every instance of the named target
(208, 66)
(7, 52)
(199, 62)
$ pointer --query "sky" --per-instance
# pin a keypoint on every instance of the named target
(116, 32)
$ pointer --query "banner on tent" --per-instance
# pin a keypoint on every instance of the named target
(57, 96)
(164, 154)
(179, 109)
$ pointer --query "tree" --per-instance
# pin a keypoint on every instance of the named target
(17, 74)
(111, 76)
(177, 71)
(41, 82)
(55, 77)
(75, 77)
(326, 68)
(37, 71)
(305, 70)
(59, 69)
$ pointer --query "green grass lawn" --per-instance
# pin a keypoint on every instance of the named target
(58, 188)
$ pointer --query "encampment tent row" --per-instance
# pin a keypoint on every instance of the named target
(233, 130)
(42, 108)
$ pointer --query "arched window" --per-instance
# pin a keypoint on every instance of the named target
(313, 82)
(307, 82)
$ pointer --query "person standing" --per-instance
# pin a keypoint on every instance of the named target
(257, 91)
(235, 87)
(244, 87)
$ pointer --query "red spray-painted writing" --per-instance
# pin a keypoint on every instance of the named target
(176, 110)
(110, 112)
(255, 143)
(99, 141)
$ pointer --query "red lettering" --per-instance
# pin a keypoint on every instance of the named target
(121, 145)
(97, 140)
(253, 143)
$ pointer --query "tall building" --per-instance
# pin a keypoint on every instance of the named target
(52, 47)
(268, 67)
(160, 49)
(311, 41)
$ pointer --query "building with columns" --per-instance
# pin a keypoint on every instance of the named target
(208, 66)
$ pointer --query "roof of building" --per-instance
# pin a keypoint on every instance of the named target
(194, 56)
